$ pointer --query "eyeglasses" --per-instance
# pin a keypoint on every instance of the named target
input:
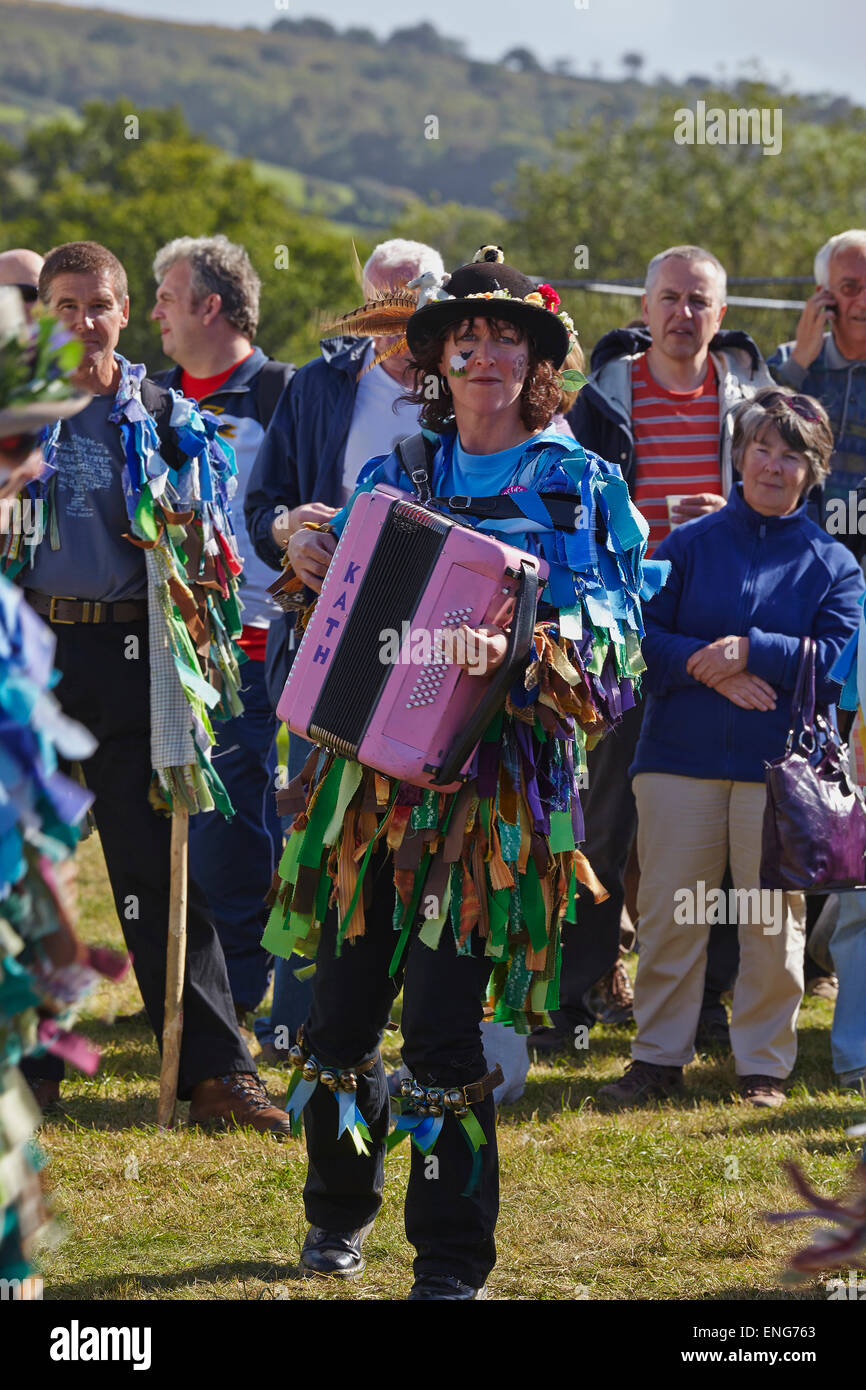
(803, 406)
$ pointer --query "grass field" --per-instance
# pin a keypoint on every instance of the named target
(660, 1203)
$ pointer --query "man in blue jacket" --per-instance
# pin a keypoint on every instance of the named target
(337, 412)
(207, 308)
(827, 360)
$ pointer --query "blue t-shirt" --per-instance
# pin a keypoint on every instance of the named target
(481, 475)
(94, 561)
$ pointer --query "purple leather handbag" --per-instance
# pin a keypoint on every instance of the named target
(814, 832)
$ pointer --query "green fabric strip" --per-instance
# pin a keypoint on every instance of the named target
(349, 783)
(532, 907)
(320, 816)
(561, 832)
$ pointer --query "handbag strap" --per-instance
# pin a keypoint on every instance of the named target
(803, 703)
(804, 692)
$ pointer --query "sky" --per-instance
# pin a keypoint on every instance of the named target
(817, 47)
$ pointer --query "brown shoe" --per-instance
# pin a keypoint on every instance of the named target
(641, 1081)
(765, 1091)
(612, 997)
(238, 1099)
(46, 1094)
(243, 1020)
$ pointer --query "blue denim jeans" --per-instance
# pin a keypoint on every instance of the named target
(234, 860)
(848, 949)
(292, 997)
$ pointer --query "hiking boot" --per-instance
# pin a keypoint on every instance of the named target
(763, 1091)
(641, 1081)
(612, 997)
(229, 1102)
(333, 1254)
(443, 1286)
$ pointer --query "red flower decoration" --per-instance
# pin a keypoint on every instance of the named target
(551, 299)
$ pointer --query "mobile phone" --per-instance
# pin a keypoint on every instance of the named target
(831, 310)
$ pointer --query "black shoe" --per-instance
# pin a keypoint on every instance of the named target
(713, 1034)
(430, 1286)
(137, 1020)
(550, 1042)
(334, 1253)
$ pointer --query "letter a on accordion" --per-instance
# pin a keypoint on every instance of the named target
(369, 680)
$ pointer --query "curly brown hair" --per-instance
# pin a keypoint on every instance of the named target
(539, 398)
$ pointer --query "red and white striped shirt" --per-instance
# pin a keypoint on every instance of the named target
(676, 440)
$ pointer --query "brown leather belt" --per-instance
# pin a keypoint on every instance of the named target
(60, 609)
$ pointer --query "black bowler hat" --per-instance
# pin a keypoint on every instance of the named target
(488, 288)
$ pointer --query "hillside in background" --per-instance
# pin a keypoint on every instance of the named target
(342, 115)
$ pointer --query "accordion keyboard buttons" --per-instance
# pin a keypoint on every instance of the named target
(428, 684)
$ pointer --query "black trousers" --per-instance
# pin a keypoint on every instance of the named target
(105, 685)
(591, 946)
(442, 1009)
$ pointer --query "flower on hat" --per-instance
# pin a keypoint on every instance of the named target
(534, 298)
(549, 297)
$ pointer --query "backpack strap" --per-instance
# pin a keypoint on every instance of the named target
(273, 379)
(416, 454)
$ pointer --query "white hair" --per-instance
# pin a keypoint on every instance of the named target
(843, 242)
(687, 253)
(399, 255)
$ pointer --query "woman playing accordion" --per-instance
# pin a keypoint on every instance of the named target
(457, 896)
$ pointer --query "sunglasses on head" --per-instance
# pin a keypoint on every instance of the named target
(803, 406)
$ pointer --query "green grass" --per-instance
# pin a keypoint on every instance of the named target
(643, 1204)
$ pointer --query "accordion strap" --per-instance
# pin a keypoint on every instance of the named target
(563, 508)
(416, 455)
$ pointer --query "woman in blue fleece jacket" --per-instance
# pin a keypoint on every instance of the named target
(722, 651)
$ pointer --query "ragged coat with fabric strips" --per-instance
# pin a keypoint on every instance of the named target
(502, 853)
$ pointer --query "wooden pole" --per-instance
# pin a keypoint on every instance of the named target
(172, 1028)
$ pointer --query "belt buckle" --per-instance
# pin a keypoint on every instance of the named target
(52, 616)
(459, 503)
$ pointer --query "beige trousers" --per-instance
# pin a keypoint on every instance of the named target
(688, 830)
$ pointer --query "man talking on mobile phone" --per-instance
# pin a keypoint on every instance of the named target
(827, 359)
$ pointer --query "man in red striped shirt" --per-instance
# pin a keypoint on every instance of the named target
(659, 403)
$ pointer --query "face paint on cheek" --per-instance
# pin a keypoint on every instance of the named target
(518, 367)
(457, 363)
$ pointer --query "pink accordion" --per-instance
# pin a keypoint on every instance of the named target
(368, 680)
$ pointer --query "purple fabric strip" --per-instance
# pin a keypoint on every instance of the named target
(487, 775)
(525, 744)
